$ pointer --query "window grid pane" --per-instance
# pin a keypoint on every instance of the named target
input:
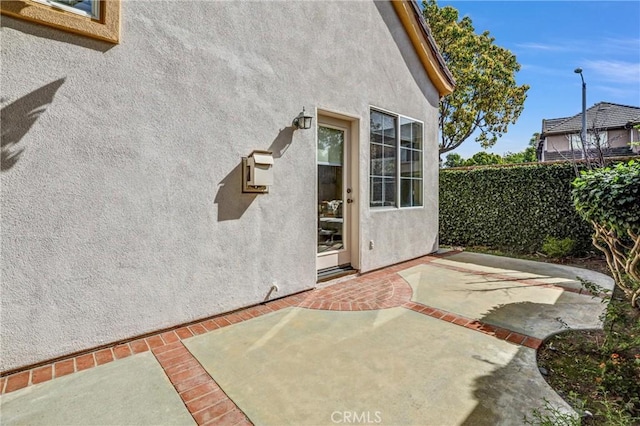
(383, 160)
(396, 161)
(411, 182)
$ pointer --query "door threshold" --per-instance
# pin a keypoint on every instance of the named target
(335, 272)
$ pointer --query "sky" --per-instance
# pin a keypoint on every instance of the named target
(550, 40)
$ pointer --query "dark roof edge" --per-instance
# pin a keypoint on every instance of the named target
(613, 103)
(432, 42)
(565, 119)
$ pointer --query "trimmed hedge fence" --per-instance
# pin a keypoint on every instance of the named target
(510, 208)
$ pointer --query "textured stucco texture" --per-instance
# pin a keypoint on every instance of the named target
(122, 210)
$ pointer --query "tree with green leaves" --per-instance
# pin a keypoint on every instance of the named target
(608, 198)
(454, 160)
(483, 158)
(526, 156)
(486, 98)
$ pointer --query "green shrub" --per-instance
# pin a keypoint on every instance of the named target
(609, 199)
(558, 248)
(510, 208)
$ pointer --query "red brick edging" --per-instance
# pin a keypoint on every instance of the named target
(62, 367)
(386, 289)
(205, 400)
(380, 289)
(473, 324)
(360, 294)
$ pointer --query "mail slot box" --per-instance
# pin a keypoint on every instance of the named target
(260, 168)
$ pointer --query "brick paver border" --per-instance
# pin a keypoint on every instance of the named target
(473, 324)
(386, 289)
(75, 363)
(381, 289)
(15, 380)
(205, 400)
(360, 294)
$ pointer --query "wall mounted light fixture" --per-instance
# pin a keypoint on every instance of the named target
(303, 121)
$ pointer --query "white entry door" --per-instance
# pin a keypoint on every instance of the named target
(335, 194)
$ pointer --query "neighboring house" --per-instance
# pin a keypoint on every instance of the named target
(123, 209)
(610, 129)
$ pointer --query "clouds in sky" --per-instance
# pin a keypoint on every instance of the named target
(607, 60)
(612, 46)
(552, 38)
(545, 47)
(621, 72)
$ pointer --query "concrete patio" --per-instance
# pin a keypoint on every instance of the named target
(440, 340)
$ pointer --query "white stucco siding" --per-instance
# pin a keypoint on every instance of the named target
(123, 214)
(618, 138)
(403, 88)
(559, 143)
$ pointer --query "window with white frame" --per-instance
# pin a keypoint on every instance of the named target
(396, 152)
(595, 140)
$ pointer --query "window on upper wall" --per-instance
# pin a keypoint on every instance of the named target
(98, 19)
(396, 152)
(597, 140)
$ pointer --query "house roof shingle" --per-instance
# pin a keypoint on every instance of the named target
(432, 42)
(424, 44)
(603, 115)
(548, 123)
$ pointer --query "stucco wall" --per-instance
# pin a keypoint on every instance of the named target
(634, 136)
(557, 143)
(123, 214)
(619, 138)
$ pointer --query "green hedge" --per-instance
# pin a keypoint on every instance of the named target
(610, 197)
(510, 208)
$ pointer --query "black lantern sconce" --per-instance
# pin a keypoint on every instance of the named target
(303, 121)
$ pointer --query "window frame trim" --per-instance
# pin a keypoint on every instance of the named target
(106, 28)
(590, 138)
(397, 205)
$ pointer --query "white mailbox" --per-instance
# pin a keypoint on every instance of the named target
(258, 171)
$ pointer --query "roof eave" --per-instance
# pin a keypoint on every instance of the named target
(573, 131)
(425, 46)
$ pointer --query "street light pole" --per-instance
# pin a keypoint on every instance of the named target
(583, 132)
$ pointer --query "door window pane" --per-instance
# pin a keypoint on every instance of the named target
(330, 189)
(330, 145)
